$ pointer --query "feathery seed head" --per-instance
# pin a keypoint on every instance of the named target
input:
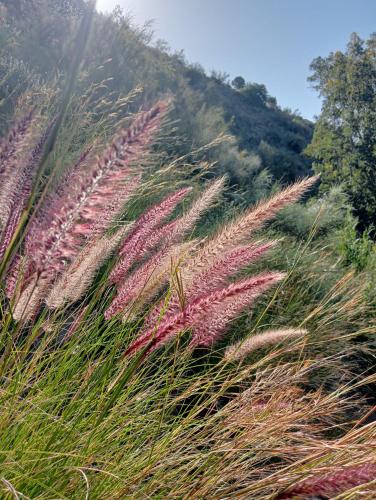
(243, 348)
(82, 208)
(76, 279)
(241, 228)
(201, 310)
(332, 483)
(95, 189)
(136, 244)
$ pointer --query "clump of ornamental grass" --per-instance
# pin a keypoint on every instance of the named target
(65, 240)
(77, 213)
(203, 299)
(77, 420)
(179, 427)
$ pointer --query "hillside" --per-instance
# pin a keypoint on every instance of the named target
(268, 142)
(259, 124)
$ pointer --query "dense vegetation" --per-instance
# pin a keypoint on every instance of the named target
(344, 143)
(135, 360)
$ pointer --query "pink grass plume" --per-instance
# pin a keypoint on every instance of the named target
(200, 310)
(238, 231)
(97, 187)
(245, 347)
(215, 276)
(333, 483)
(136, 243)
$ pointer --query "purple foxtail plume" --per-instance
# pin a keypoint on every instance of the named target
(36, 229)
(82, 209)
(40, 224)
(13, 156)
(215, 276)
(28, 302)
(133, 286)
(18, 191)
(210, 328)
(199, 206)
(12, 276)
(226, 266)
(43, 216)
(12, 143)
(199, 310)
(76, 279)
(174, 231)
(89, 193)
(241, 349)
(147, 236)
(208, 306)
(237, 232)
(145, 282)
(136, 244)
(152, 218)
(159, 236)
(332, 484)
(219, 257)
(94, 189)
(10, 228)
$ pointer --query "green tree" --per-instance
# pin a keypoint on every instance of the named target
(238, 82)
(255, 93)
(344, 141)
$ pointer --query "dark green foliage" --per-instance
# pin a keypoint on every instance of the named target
(357, 250)
(319, 217)
(255, 93)
(344, 142)
(238, 82)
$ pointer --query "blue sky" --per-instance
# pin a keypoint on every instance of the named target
(265, 41)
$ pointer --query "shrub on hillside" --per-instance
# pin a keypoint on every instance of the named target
(321, 215)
